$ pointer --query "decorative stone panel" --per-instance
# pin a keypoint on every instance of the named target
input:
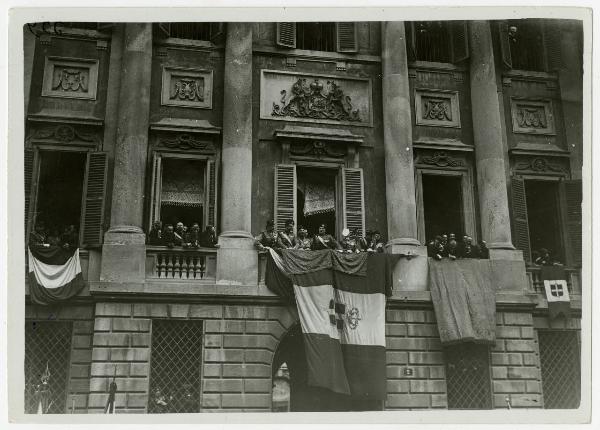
(532, 116)
(437, 108)
(328, 99)
(190, 88)
(70, 78)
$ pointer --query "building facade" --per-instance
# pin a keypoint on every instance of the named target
(415, 128)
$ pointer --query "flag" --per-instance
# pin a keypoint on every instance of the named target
(341, 305)
(54, 275)
(557, 292)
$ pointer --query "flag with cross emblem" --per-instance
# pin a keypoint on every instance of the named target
(341, 305)
(557, 291)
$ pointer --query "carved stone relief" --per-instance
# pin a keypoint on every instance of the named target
(187, 142)
(532, 116)
(316, 149)
(539, 165)
(186, 88)
(441, 159)
(437, 108)
(63, 134)
(70, 78)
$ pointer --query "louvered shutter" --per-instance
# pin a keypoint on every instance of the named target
(411, 41)
(571, 198)
(163, 29)
(552, 48)
(504, 44)
(211, 193)
(30, 163)
(92, 219)
(346, 36)
(460, 41)
(286, 34)
(217, 33)
(285, 195)
(155, 189)
(353, 199)
(520, 221)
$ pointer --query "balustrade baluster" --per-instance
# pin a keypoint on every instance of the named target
(202, 266)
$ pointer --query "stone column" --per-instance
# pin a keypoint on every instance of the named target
(491, 153)
(399, 160)
(123, 253)
(237, 260)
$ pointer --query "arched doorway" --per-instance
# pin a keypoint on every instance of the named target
(290, 373)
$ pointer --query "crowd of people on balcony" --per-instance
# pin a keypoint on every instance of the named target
(351, 242)
(180, 235)
(543, 257)
(447, 246)
(48, 236)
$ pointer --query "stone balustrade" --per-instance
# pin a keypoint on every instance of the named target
(180, 263)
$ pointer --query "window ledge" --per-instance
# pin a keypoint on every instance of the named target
(174, 42)
(432, 65)
(317, 55)
(531, 75)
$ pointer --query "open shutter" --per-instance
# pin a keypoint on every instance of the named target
(353, 199)
(286, 34)
(162, 30)
(156, 187)
(94, 188)
(31, 168)
(346, 36)
(211, 193)
(571, 198)
(411, 41)
(217, 33)
(504, 44)
(285, 195)
(460, 41)
(520, 221)
(552, 48)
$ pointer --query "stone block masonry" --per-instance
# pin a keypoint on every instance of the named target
(239, 343)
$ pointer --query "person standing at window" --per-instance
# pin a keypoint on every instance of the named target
(323, 240)
(287, 239)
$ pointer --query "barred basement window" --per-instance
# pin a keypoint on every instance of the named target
(468, 376)
(175, 366)
(561, 368)
(47, 358)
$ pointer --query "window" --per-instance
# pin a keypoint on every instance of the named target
(64, 188)
(318, 36)
(206, 31)
(442, 205)
(561, 368)
(530, 44)
(437, 41)
(183, 190)
(175, 366)
(546, 214)
(468, 376)
(314, 195)
(47, 358)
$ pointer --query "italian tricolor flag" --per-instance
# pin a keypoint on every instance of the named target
(341, 305)
(54, 275)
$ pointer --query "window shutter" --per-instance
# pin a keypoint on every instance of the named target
(285, 195)
(156, 187)
(411, 41)
(520, 221)
(217, 33)
(30, 163)
(163, 30)
(353, 199)
(346, 37)
(460, 41)
(505, 45)
(94, 187)
(552, 48)
(286, 34)
(105, 27)
(571, 196)
(211, 193)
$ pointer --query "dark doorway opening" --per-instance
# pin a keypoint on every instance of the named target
(543, 218)
(290, 360)
(443, 206)
(182, 194)
(60, 189)
(316, 199)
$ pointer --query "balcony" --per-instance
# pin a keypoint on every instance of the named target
(181, 264)
(534, 278)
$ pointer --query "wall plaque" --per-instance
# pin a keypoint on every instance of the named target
(291, 96)
(437, 108)
(190, 88)
(70, 78)
(532, 116)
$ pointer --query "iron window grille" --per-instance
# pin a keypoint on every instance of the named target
(47, 357)
(175, 366)
(468, 376)
(561, 368)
